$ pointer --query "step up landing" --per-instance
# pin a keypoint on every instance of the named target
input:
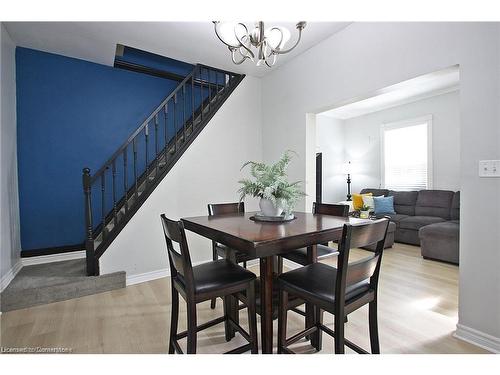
(51, 282)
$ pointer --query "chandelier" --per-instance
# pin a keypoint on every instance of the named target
(261, 44)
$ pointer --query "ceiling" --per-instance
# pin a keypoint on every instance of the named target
(192, 42)
(425, 86)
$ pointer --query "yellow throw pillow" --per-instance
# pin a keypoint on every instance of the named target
(357, 200)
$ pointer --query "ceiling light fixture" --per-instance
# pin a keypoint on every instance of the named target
(260, 44)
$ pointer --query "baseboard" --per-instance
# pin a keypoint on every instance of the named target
(52, 258)
(147, 276)
(152, 275)
(52, 250)
(478, 338)
(9, 276)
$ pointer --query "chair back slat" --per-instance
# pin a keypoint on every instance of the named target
(367, 234)
(225, 208)
(180, 262)
(361, 270)
(331, 209)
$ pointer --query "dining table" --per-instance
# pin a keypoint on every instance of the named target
(265, 241)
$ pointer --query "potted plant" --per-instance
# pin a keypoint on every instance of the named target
(364, 212)
(269, 183)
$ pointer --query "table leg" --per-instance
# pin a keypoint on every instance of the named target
(316, 337)
(266, 298)
(231, 304)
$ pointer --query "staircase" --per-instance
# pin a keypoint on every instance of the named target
(115, 192)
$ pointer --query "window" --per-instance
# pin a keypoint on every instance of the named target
(406, 154)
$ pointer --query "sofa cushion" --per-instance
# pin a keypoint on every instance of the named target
(404, 201)
(384, 205)
(444, 229)
(455, 207)
(376, 192)
(357, 200)
(441, 241)
(396, 218)
(417, 222)
(435, 203)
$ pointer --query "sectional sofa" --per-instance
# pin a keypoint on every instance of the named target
(429, 218)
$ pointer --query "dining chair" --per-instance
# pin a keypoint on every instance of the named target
(323, 250)
(219, 250)
(339, 291)
(220, 278)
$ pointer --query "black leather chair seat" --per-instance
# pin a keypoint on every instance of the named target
(317, 281)
(300, 255)
(240, 257)
(221, 274)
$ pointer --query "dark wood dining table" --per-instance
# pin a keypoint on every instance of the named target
(264, 240)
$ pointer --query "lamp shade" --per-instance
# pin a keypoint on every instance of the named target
(228, 31)
(277, 37)
(347, 168)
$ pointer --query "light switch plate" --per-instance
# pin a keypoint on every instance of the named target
(489, 168)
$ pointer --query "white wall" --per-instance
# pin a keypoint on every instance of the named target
(207, 173)
(9, 206)
(361, 144)
(330, 141)
(365, 57)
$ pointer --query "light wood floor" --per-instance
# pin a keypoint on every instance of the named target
(417, 314)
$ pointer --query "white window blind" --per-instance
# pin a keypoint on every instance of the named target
(406, 156)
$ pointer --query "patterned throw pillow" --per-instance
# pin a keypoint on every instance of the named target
(384, 205)
(357, 200)
(368, 201)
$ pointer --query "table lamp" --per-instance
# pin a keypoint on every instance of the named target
(347, 169)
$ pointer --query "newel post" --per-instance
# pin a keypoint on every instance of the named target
(92, 263)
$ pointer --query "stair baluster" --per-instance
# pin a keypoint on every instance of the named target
(183, 113)
(192, 104)
(125, 181)
(175, 124)
(136, 190)
(103, 206)
(165, 153)
(92, 263)
(157, 160)
(146, 137)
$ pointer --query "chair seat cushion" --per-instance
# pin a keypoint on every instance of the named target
(240, 256)
(318, 281)
(212, 276)
(300, 255)
(417, 222)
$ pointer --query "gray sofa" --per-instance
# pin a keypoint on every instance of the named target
(429, 218)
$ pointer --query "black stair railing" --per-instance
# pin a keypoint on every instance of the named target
(116, 191)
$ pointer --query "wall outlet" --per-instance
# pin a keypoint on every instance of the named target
(489, 168)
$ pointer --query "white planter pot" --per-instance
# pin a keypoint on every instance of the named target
(364, 214)
(267, 208)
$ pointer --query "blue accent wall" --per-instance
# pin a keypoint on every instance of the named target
(70, 114)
